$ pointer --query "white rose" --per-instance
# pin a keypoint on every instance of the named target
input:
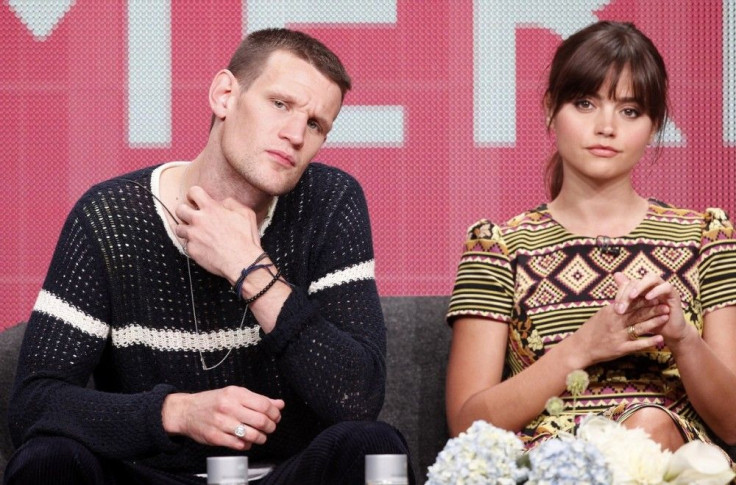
(631, 455)
(698, 462)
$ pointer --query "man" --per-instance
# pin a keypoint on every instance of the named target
(223, 306)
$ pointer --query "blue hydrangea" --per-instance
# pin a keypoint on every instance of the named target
(568, 462)
(483, 454)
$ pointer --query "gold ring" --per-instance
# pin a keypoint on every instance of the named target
(631, 331)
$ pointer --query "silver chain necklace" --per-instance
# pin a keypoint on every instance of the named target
(194, 314)
(191, 285)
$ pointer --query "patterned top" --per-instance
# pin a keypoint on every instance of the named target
(545, 282)
(116, 304)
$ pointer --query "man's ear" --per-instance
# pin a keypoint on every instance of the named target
(223, 91)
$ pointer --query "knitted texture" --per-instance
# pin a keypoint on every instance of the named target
(116, 305)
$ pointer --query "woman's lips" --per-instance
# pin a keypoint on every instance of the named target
(603, 151)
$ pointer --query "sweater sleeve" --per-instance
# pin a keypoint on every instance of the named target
(330, 339)
(67, 334)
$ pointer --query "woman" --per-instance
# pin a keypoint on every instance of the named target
(640, 294)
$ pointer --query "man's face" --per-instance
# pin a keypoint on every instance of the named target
(274, 129)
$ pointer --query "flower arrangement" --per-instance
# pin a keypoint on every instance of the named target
(601, 452)
(567, 461)
(483, 454)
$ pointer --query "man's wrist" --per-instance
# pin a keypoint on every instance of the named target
(259, 263)
(171, 412)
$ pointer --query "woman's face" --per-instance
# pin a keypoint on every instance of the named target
(601, 139)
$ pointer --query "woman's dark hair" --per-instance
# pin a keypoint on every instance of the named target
(598, 53)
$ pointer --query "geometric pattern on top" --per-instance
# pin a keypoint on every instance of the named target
(545, 282)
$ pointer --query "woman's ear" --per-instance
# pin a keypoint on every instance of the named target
(223, 91)
(548, 111)
(656, 131)
(549, 122)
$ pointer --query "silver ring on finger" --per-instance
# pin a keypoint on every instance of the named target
(632, 333)
(239, 430)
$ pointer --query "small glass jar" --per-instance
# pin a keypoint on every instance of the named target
(386, 470)
(227, 470)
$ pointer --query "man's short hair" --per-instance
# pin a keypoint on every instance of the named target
(249, 60)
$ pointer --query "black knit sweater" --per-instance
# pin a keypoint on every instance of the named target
(116, 305)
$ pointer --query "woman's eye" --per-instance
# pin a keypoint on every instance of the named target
(583, 104)
(631, 113)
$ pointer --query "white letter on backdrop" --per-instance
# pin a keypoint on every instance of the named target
(149, 73)
(365, 126)
(729, 72)
(494, 30)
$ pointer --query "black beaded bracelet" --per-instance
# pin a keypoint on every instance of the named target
(265, 288)
(238, 286)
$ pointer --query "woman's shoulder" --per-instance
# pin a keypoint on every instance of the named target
(508, 237)
(487, 229)
(712, 218)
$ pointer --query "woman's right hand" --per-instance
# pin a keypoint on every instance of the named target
(607, 334)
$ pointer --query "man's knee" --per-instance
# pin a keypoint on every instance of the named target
(368, 437)
(359, 438)
(337, 454)
(40, 459)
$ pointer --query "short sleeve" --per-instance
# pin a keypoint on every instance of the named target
(484, 283)
(717, 264)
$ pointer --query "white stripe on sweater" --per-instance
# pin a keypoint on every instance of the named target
(163, 340)
(360, 271)
(167, 340)
(54, 306)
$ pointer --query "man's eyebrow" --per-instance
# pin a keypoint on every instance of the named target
(323, 122)
(290, 99)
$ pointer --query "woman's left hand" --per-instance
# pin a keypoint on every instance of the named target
(652, 288)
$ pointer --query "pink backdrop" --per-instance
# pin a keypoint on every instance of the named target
(64, 94)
